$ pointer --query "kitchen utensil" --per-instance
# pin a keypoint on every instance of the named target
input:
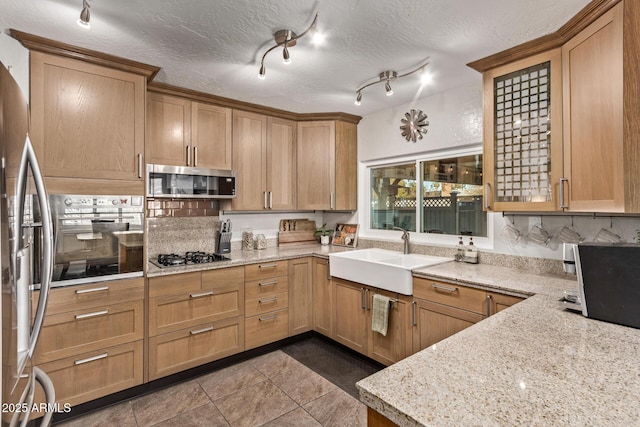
(606, 235)
(539, 234)
(569, 235)
(511, 233)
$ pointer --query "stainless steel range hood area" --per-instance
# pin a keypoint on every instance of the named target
(165, 181)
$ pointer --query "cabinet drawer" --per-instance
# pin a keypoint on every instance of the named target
(184, 310)
(266, 303)
(265, 287)
(95, 374)
(187, 348)
(229, 275)
(79, 331)
(453, 295)
(265, 270)
(266, 328)
(73, 298)
(174, 284)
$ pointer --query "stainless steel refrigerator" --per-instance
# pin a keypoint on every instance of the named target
(26, 230)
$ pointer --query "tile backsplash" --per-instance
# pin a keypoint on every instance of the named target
(178, 208)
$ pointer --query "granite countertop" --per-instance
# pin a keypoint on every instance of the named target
(238, 258)
(531, 364)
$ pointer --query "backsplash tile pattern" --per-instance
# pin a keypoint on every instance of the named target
(182, 208)
(179, 235)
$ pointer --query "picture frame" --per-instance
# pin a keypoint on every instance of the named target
(345, 235)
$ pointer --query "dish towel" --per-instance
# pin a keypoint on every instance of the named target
(380, 315)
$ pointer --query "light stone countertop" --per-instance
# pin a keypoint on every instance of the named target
(531, 364)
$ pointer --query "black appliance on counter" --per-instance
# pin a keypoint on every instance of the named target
(609, 282)
(189, 258)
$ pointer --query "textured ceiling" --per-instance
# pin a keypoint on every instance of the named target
(215, 46)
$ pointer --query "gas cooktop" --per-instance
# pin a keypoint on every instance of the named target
(189, 258)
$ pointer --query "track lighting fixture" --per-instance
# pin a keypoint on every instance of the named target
(85, 15)
(287, 39)
(387, 77)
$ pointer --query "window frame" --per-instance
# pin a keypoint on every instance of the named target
(364, 214)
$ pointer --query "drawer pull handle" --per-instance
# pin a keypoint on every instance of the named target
(200, 331)
(200, 295)
(94, 314)
(88, 291)
(272, 317)
(91, 359)
(273, 265)
(444, 288)
(273, 282)
(263, 301)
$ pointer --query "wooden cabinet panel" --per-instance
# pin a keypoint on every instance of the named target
(266, 270)
(346, 167)
(168, 129)
(397, 344)
(266, 328)
(316, 165)
(82, 297)
(281, 164)
(184, 349)
(228, 275)
(183, 310)
(265, 287)
(249, 148)
(453, 295)
(351, 326)
(501, 302)
(211, 136)
(87, 120)
(300, 295)
(266, 303)
(95, 374)
(435, 322)
(323, 298)
(79, 331)
(174, 284)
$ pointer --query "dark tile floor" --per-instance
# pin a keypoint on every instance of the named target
(270, 390)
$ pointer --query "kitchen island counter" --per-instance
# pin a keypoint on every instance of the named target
(532, 364)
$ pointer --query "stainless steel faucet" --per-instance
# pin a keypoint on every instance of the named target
(405, 237)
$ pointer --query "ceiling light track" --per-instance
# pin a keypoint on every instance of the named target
(387, 77)
(287, 39)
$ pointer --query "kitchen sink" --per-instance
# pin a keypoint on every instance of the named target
(381, 268)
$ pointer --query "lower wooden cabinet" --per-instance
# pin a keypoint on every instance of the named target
(300, 295)
(176, 351)
(323, 297)
(499, 302)
(397, 344)
(350, 326)
(266, 328)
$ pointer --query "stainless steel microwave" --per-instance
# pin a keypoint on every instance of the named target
(186, 182)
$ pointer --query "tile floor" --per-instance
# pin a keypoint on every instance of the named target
(270, 390)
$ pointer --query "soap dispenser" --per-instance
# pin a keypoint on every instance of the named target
(460, 250)
(471, 253)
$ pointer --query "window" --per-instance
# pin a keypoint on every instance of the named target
(447, 199)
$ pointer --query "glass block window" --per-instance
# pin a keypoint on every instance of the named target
(523, 135)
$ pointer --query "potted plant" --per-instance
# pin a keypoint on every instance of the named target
(324, 234)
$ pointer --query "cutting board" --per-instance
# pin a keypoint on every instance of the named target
(296, 232)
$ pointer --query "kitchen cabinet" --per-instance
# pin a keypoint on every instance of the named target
(300, 295)
(91, 343)
(499, 302)
(183, 132)
(264, 158)
(601, 155)
(327, 165)
(323, 297)
(522, 122)
(353, 318)
(194, 318)
(266, 303)
(87, 126)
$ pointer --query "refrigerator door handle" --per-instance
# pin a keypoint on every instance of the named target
(29, 158)
(49, 393)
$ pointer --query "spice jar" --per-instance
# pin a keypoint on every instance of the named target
(247, 239)
(261, 242)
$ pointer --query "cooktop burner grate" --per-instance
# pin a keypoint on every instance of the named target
(190, 257)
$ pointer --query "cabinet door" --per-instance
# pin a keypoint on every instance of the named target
(396, 345)
(346, 169)
(168, 130)
(316, 165)
(300, 296)
(435, 322)
(211, 136)
(500, 302)
(522, 147)
(351, 327)
(249, 147)
(323, 297)
(87, 120)
(281, 164)
(593, 116)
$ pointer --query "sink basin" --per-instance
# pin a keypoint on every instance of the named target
(381, 268)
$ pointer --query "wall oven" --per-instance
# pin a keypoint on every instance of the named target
(96, 238)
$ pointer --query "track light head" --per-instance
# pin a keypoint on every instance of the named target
(359, 98)
(286, 59)
(85, 15)
(261, 74)
(387, 77)
(387, 87)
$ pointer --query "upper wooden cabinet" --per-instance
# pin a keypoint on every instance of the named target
(327, 165)
(522, 149)
(264, 158)
(87, 121)
(182, 132)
